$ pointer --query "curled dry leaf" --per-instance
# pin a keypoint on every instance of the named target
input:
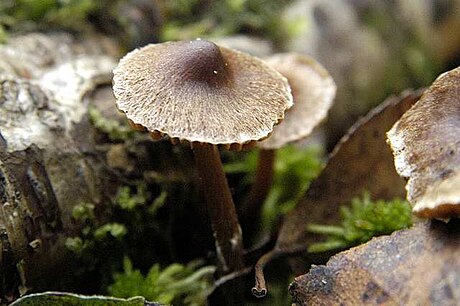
(361, 161)
(426, 146)
(418, 266)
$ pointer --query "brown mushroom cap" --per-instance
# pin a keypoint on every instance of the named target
(426, 147)
(313, 90)
(200, 92)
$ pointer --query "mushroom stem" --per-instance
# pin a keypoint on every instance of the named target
(250, 209)
(220, 207)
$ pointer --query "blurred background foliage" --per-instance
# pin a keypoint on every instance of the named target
(27, 15)
(181, 19)
(371, 48)
(295, 167)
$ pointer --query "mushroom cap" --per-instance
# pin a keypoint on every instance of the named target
(313, 90)
(426, 148)
(197, 91)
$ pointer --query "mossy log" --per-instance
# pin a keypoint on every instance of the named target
(48, 159)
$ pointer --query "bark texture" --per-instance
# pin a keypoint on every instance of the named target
(48, 161)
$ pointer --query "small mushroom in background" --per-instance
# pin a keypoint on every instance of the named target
(426, 148)
(200, 93)
(313, 90)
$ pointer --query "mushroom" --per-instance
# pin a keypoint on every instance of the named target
(313, 90)
(206, 95)
(426, 148)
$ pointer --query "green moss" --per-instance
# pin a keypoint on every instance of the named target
(176, 283)
(83, 212)
(198, 18)
(3, 34)
(115, 130)
(128, 200)
(182, 8)
(115, 230)
(74, 244)
(92, 233)
(83, 243)
(361, 221)
(22, 15)
(294, 27)
(108, 232)
(294, 169)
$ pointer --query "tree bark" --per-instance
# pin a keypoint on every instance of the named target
(48, 160)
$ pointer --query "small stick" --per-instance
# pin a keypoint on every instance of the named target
(260, 288)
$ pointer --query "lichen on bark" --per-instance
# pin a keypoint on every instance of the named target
(46, 166)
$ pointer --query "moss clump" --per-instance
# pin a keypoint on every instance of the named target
(83, 212)
(195, 18)
(106, 234)
(128, 200)
(176, 283)
(133, 206)
(92, 234)
(361, 221)
(20, 15)
(294, 169)
(115, 130)
(115, 230)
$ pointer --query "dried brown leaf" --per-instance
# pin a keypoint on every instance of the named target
(361, 161)
(418, 266)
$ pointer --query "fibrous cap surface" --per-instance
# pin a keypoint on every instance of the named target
(198, 91)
